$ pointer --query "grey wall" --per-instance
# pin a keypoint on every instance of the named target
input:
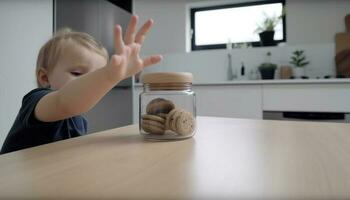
(25, 26)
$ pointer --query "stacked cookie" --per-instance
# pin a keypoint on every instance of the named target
(180, 121)
(153, 124)
(157, 110)
(162, 115)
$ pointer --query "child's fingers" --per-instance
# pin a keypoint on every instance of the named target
(151, 60)
(130, 31)
(116, 67)
(141, 34)
(118, 40)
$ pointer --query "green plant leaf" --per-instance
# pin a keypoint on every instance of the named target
(304, 63)
(299, 59)
(302, 58)
(269, 22)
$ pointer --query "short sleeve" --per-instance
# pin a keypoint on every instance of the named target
(27, 131)
(29, 103)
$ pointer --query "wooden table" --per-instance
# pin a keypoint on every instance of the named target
(227, 158)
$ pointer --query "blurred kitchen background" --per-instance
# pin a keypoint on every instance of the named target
(301, 74)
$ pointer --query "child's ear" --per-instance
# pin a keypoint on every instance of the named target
(43, 79)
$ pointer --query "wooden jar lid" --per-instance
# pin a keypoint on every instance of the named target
(167, 77)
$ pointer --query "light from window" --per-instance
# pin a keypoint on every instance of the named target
(237, 24)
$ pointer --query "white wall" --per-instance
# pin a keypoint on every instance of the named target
(315, 21)
(212, 66)
(25, 26)
(308, 21)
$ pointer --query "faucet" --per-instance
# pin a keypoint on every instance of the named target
(230, 74)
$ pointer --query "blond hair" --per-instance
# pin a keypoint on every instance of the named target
(51, 51)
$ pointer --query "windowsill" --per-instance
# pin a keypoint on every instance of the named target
(280, 44)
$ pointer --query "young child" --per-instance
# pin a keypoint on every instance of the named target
(73, 74)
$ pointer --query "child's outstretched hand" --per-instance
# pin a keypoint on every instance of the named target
(126, 61)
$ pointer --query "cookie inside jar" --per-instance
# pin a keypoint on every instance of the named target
(167, 106)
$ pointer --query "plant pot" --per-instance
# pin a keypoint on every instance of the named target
(299, 72)
(267, 38)
(267, 73)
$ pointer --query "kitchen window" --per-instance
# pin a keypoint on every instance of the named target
(213, 27)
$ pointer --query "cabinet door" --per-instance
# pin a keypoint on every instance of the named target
(79, 15)
(112, 111)
(307, 97)
(229, 101)
(136, 93)
(111, 15)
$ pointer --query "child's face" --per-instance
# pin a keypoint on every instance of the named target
(74, 61)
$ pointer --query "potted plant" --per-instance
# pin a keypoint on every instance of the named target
(267, 69)
(266, 29)
(298, 59)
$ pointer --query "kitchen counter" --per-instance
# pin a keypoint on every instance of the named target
(227, 158)
(274, 81)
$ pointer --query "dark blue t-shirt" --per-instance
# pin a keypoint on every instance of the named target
(27, 131)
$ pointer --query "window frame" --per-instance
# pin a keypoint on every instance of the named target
(193, 10)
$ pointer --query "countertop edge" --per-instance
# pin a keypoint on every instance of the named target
(264, 82)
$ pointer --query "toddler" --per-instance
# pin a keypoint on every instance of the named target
(73, 73)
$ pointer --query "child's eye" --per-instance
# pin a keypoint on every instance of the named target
(76, 73)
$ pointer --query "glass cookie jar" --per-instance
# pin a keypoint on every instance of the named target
(167, 106)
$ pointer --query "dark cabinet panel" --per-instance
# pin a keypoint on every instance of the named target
(79, 15)
(125, 4)
(109, 17)
(96, 17)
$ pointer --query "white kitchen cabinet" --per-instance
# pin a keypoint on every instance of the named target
(249, 99)
(238, 101)
(307, 97)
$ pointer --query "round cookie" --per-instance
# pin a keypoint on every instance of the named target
(153, 118)
(185, 123)
(159, 105)
(152, 129)
(167, 122)
(174, 118)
